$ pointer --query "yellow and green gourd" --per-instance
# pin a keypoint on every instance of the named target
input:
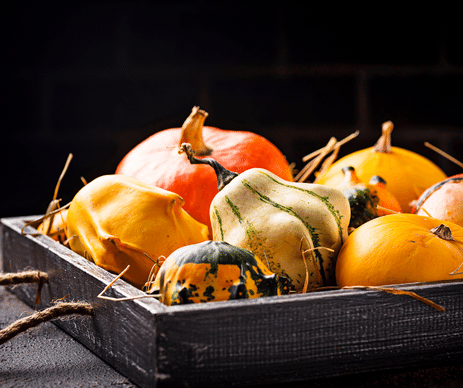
(295, 228)
(214, 271)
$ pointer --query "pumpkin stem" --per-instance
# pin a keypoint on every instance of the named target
(224, 176)
(384, 142)
(192, 132)
(443, 231)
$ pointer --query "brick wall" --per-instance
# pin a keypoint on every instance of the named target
(96, 77)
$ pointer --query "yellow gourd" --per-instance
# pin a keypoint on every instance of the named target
(116, 221)
(407, 173)
(401, 248)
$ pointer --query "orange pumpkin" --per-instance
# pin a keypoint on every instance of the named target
(407, 173)
(156, 160)
(400, 248)
(443, 200)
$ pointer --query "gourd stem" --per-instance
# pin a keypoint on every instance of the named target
(192, 132)
(384, 142)
(377, 180)
(224, 176)
(443, 231)
(350, 177)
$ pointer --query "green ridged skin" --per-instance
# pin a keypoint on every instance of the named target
(274, 218)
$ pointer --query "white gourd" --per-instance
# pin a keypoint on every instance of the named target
(278, 220)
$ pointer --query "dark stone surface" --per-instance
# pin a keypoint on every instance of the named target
(45, 356)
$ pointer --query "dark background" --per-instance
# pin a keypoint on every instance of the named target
(97, 77)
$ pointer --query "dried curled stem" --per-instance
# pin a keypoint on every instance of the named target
(224, 176)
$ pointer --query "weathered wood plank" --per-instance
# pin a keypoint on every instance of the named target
(277, 339)
(304, 337)
(121, 333)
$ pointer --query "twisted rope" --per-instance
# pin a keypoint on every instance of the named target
(8, 279)
(58, 310)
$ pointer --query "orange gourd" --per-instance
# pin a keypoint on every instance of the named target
(407, 173)
(156, 160)
(387, 200)
(401, 248)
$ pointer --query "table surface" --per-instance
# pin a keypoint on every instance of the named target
(45, 356)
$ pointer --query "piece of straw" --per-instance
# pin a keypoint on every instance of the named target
(338, 144)
(101, 296)
(396, 291)
(444, 154)
(315, 158)
(310, 167)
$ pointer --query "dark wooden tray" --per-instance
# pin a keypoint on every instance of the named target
(237, 343)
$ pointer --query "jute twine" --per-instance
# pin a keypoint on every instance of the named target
(60, 309)
(9, 279)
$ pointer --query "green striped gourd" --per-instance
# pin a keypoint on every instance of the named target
(296, 228)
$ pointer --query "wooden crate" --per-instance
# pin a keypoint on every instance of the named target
(261, 341)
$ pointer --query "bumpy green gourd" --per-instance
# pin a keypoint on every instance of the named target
(214, 271)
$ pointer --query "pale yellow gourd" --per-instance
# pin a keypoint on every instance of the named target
(295, 228)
